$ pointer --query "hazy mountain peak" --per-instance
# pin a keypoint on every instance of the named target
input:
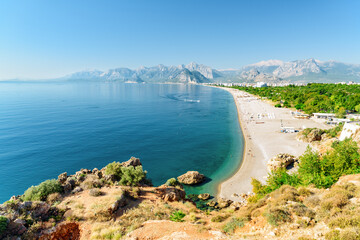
(272, 70)
(271, 62)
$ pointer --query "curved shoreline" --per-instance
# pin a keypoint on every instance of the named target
(244, 135)
(245, 146)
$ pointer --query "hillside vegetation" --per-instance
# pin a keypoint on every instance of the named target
(332, 98)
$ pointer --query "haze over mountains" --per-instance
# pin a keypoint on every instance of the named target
(308, 70)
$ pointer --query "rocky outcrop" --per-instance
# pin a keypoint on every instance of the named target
(220, 203)
(62, 177)
(66, 230)
(204, 196)
(310, 135)
(212, 204)
(224, 203)
(191, 177)
(121, 202)
(40, 210)
(282, 160)
(169, 193)
(133, 161)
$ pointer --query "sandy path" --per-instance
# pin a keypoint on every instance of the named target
(260, 123)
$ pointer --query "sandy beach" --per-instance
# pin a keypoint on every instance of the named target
(260, 123)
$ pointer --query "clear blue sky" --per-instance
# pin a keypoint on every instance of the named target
(45, 39)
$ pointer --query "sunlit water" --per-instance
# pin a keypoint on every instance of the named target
(50, 128)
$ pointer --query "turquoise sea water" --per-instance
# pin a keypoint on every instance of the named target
(50, 128)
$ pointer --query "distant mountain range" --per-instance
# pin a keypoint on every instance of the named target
(309, 70)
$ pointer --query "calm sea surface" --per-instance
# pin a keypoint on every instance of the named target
(50, 128)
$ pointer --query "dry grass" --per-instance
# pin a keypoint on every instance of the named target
(107, 231)
(338, 196)
(54, 197)
(93, 208)
(133, 219)
(312, 201)
(90, 182)
(283, 194)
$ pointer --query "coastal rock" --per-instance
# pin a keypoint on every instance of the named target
(315, 135)
(80, 176)
(224, 203)
(62, 177)
(169, 193)
(121, 202)
(133, 161)
(77, 189)
(67, 188)
(69, 185)
(97, 173)
(312, 136)
(282, 160)
(236, 205)
(110, 178)
(204, 196)
(14, 198)
(16, 229)
(67, 230)
(212, 204)
(20, 221)
(191, 177)
(40, 210)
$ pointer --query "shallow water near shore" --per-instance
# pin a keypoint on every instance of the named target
(50, 128)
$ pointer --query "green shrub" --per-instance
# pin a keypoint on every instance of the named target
(41, 191)
(131, 176)
(324, 171)
(177, 216)
(3, 224)
(333, 132)
(278, 105)
(233, 224)
(113, 168)
(321, 171)
(173, 182)
(128, 176)
(299, 106)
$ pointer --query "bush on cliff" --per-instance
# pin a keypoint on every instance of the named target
(41, 191)
(3, 224)
(129, 176)
(322, 171)
(113, 168)
(173, 182)
(177, 216)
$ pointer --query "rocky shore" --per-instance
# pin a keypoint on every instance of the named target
(45, 211)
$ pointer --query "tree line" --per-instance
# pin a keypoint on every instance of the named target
(314, 97)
